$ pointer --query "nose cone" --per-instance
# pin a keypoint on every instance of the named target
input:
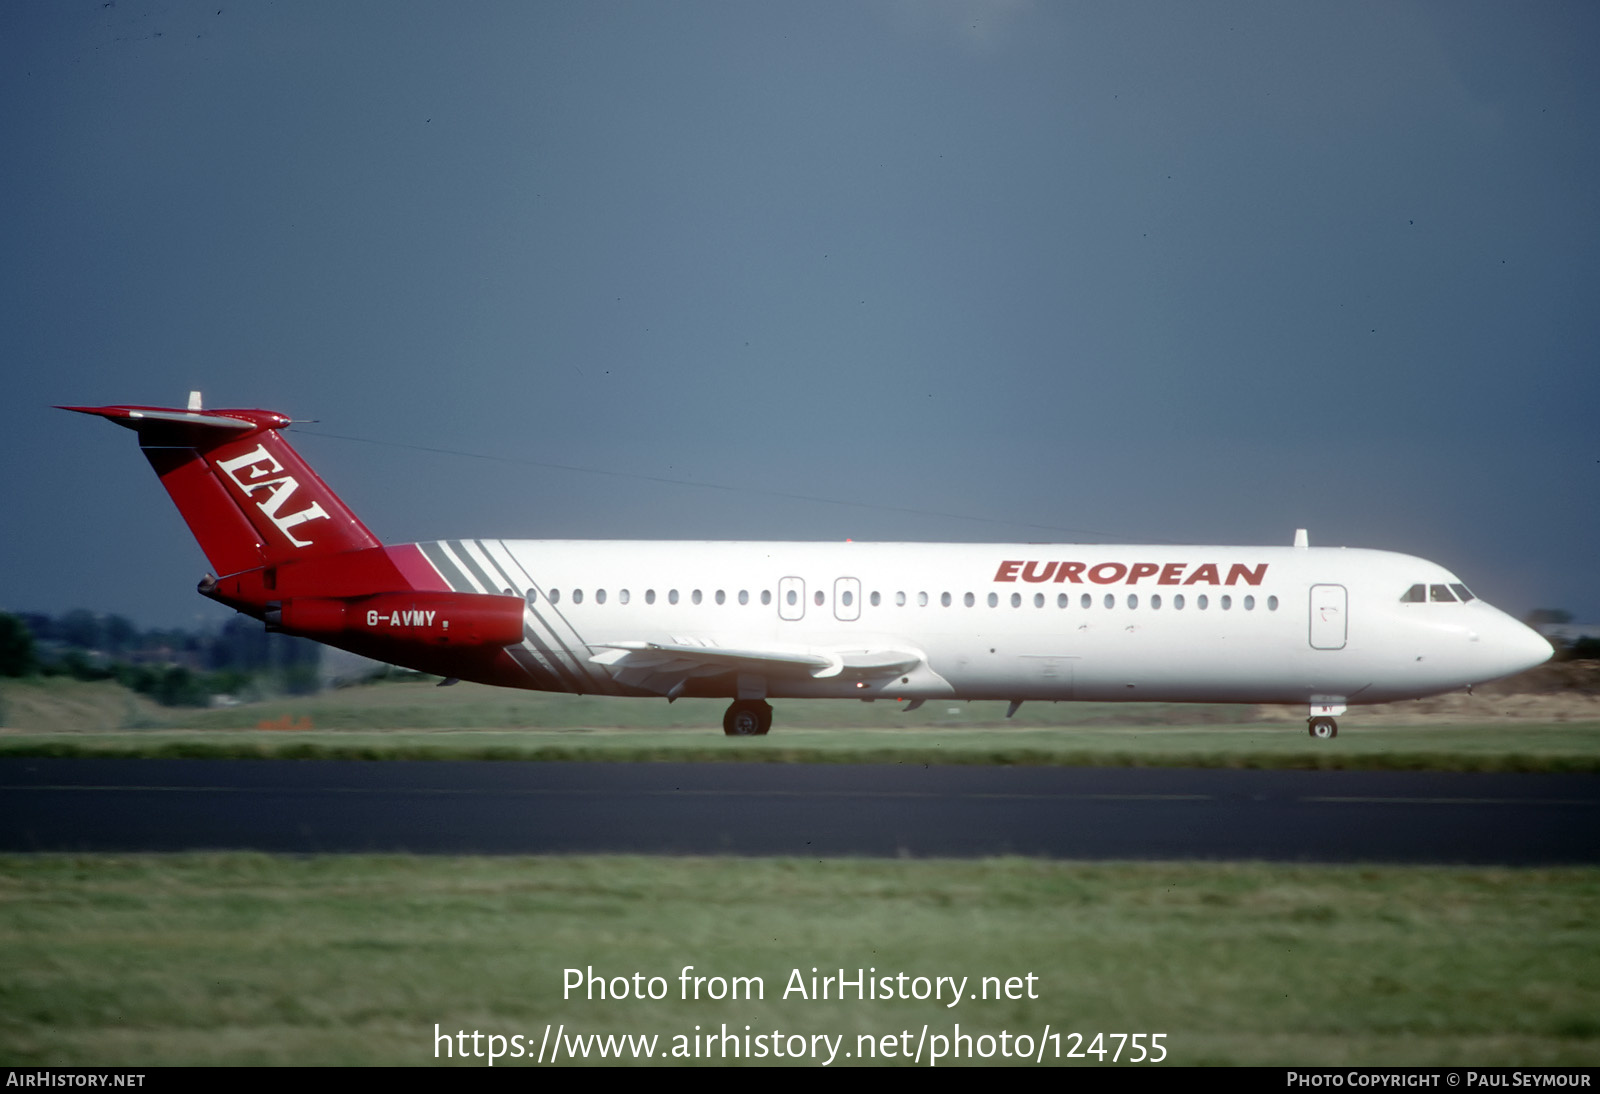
(1517, 648)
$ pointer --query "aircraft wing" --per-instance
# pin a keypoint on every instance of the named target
(665, 667)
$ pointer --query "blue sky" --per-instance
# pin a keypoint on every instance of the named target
(976, 270)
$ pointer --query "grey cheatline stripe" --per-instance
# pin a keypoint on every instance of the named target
(553, 663)
(479, 574)
(423, 548)
(448, 570)
(561, 632)
(541, 673)
(444, 560)
(574, 648)
(503, 579)
(559, 665)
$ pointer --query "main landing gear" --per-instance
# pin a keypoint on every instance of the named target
(1323, 729)
(748, 718)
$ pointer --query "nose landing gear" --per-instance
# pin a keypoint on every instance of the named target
(747, 718)
(1320, 724)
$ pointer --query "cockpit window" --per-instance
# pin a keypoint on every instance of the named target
(1463, 592)
(1441, 594)
(1417, 594)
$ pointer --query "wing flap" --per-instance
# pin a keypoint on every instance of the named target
(657, 655)
(660, 665)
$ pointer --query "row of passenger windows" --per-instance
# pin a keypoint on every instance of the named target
(1439, 594)
(846, 598)
(695, 597)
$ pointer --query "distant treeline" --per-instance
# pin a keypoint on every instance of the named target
(174, 667)
(1582, 649)
(1586, 648)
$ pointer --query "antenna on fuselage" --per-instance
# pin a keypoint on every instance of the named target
(1301, 539)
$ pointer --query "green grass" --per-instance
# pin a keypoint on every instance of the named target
(420, 721)
(1456, 748)
(62, 704)
(148, 960)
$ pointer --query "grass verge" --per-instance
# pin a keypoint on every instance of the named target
(253, 959)
(419, 721)
(1456, 748)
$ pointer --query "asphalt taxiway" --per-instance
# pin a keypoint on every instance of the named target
(314, 806)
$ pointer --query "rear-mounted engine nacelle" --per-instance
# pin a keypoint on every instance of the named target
(435, 619)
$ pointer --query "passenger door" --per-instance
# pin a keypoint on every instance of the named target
(1329, 625)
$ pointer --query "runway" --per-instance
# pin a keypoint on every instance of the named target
(310, 806)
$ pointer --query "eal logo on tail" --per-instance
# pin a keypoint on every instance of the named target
(253, 472)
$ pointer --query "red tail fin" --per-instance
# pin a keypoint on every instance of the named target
(289, 552)
(247, 495)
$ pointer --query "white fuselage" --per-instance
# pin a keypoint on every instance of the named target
(1001, 621)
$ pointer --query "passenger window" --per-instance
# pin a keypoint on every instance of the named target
(1249, 603)
(1133, 600)
(744, 596)
(1414, 595)
(577, 596)
(792, 598)
(649, 596)
(1441, 594)
(922, 600)
(1272, 603)
(766, 596)
(968, 600)
(899, 600)
(944, 599)
(599, 596)
(875, 600)
(846, 598)
(555, 596)
(818, 598)
(1038, 600)
(533, 597)
(694, 597)
(672, 596)
(1202, 602)
(1464, 593)
(1177, 602)
(1227, 602)
(1016, 600)
(1111, 601)
(622, 595)
(994, 600)
(1062, 601)
(1087, 601)
(1155, 601)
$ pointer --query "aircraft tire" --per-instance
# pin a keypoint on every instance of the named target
(747, 718)
(1323, 729)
